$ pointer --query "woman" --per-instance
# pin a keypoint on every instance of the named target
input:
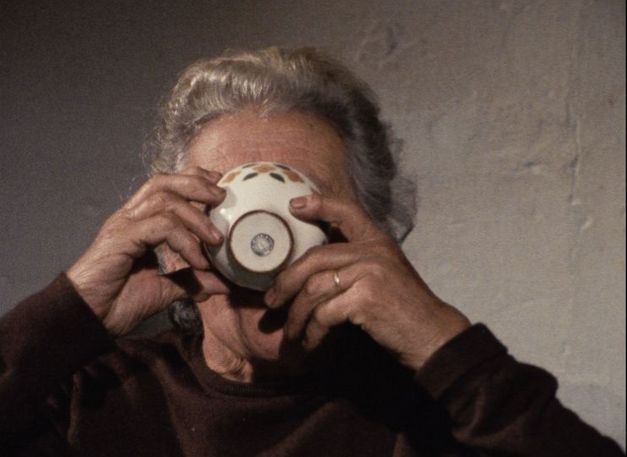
(348, 353)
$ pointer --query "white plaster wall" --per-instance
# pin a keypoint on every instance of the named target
(512, 115)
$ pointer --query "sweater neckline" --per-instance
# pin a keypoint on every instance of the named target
(212, 381)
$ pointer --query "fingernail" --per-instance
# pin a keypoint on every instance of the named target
(214, 176)
(270, 297)
(216, 235)
(218, 191)
(204, 264)
(298, 202)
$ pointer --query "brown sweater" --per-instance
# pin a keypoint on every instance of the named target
(66, 387)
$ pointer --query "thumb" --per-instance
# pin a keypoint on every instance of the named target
(190, 283)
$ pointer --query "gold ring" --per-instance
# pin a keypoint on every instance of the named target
(336, 280)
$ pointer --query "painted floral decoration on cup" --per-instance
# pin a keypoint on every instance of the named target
(261, 235)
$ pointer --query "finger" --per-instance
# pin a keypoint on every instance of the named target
(192, 217)
(327, 315)
(196, 186)
(348, 217)
(318, 288)
(211, 175)
(189, 283)
(166, 228)
(318, 259)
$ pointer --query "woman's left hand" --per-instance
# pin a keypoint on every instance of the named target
(367, 281)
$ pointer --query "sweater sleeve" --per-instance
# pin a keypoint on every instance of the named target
(43, 341)
(498, 406)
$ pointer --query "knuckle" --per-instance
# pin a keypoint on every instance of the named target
(168, 221)
(367, 288)
(374, 268)
(194, 180)
(156, 181)
(184, 234)
(116, 222)
(192, 170)
(187, 181)
(318, 316)
(357, 312)
(358, 317)
(107, 231)
(182, 238)
(117, 218)
(312, 285)
(159, 201)
(388, 245)
(378, 269)
(153, 183)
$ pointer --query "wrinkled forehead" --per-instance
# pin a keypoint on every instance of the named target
(302, 141)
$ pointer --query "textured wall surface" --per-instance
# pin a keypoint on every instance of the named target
(512, 115)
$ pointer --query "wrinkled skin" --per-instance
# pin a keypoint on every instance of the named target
(118, 276)
(378, 289)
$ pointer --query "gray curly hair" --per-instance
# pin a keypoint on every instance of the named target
(278, 80)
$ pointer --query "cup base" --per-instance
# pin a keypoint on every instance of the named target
(260, 242)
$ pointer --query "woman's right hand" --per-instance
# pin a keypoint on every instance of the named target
(118, 276)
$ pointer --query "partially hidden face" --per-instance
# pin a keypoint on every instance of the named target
(241, 321)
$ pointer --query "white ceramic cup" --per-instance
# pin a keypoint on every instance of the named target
(261, 237)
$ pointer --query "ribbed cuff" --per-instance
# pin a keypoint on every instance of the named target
(457, 357)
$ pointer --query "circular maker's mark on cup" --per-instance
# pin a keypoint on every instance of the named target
(262, 244)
